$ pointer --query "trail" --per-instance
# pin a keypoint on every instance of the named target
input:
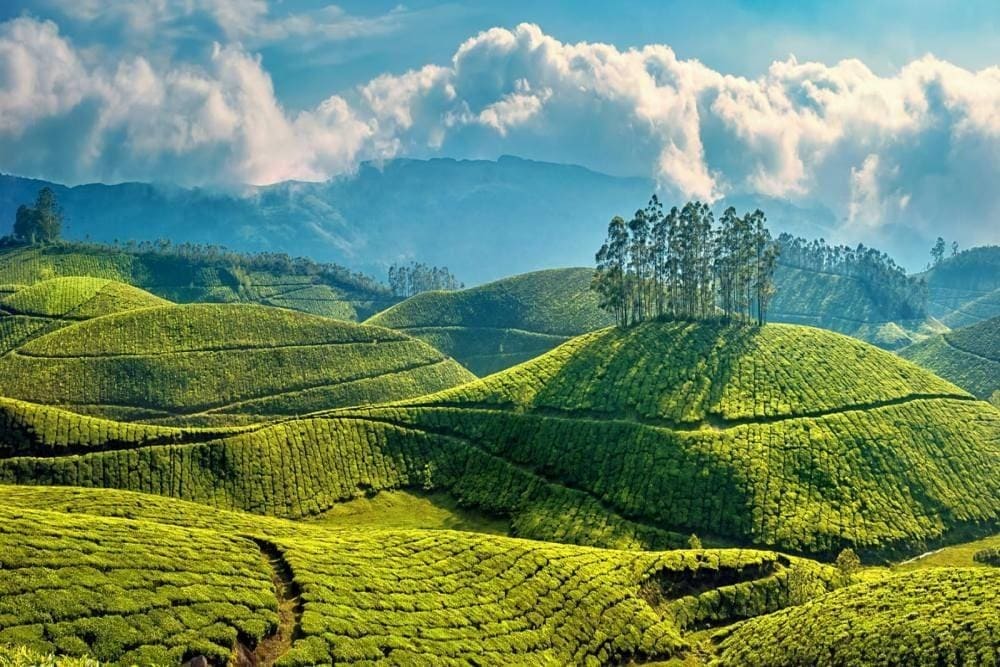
(272, 647)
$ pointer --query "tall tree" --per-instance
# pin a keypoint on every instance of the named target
(41, 223)
(937, 252)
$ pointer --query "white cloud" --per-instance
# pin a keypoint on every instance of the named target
(919, 145)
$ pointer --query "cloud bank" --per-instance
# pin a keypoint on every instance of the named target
(919, 147)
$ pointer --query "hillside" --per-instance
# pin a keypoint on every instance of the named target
(785, 436)
(185, 274)
(843, 304)
(931, 617)
(219, 363)
(165, 580)
(969, 357)
(965, 289)
(500, 324)
(29, 312)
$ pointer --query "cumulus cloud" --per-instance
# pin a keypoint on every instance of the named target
(917, 147)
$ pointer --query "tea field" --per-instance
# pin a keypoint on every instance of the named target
(969, 357)
(206, 363)
(500, 324)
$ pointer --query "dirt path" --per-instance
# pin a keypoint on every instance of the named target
(289, 597)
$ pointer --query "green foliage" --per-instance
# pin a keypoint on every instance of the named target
(495, 326)
(990, 556)
(933, 617)
(965, 289)
(848, 562)
(128, 591)
(77, 298)
(22, 656)
(187, 273)
(412, 596)
(694, 542)
(41, 223)
(969, 357)
(175, 362)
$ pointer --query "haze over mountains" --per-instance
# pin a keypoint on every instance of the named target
(483, 219)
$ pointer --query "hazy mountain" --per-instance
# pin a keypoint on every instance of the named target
(483, 219)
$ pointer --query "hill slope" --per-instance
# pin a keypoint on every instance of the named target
(969, 357)
(186, 275)
(965, 289)
(220, 362)
(161, 579)
(785, 436)
(500, 324)
(29, 312)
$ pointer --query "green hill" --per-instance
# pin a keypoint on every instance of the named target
(965, 289)
(500, 324)
(969, 357)
(208, 362)
(784, 436)
(29, 312)
(844, 304)
(933, 617)
(188, 274)
(134, 578)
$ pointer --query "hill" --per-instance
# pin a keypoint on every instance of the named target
(134, 578)
(969, 357)
(499, 217)
(219, 363)
(932, 617)
(29, 312)
(500, 324)
(783, 436)
(965, 289)
(186, 274)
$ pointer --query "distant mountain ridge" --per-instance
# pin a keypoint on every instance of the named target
(484, 219)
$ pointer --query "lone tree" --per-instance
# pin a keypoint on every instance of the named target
(41, 223)
(937, 252)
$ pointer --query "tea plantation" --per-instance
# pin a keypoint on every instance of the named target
(187, 275)
(965, 289)
(941, 616)
(209, 363)
(969, 357)
(370, 596)
(495, 326)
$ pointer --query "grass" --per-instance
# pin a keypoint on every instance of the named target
(969, 357)
(500, 324)
(211, 363)
(932, 617)
(200, 277)
(956, 555)
(397, 596)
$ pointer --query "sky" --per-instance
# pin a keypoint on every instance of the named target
(888, 113)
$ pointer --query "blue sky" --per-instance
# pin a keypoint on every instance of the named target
(884, 112)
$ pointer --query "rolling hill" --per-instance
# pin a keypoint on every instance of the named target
(786, 437)
(222, 363)
(500, 324)
(969, 357)
(29, 312)
(965, 289)
(185, 274)
(132, 578)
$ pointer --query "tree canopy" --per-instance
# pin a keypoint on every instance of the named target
(680, 265)
(41, 223)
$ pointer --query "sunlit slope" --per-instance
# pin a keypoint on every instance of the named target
(969, 357)
(197, 363)
(497, 325)
(784, 435)
(194, 277)
(384, 596)
(27, 312)
(843, 304)
(940, 616)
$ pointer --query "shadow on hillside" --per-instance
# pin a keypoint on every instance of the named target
(670, 370)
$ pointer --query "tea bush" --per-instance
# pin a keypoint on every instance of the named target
(969, 357)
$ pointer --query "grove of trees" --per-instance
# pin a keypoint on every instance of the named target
(41, 223)
(678, 264)
(407, 280)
